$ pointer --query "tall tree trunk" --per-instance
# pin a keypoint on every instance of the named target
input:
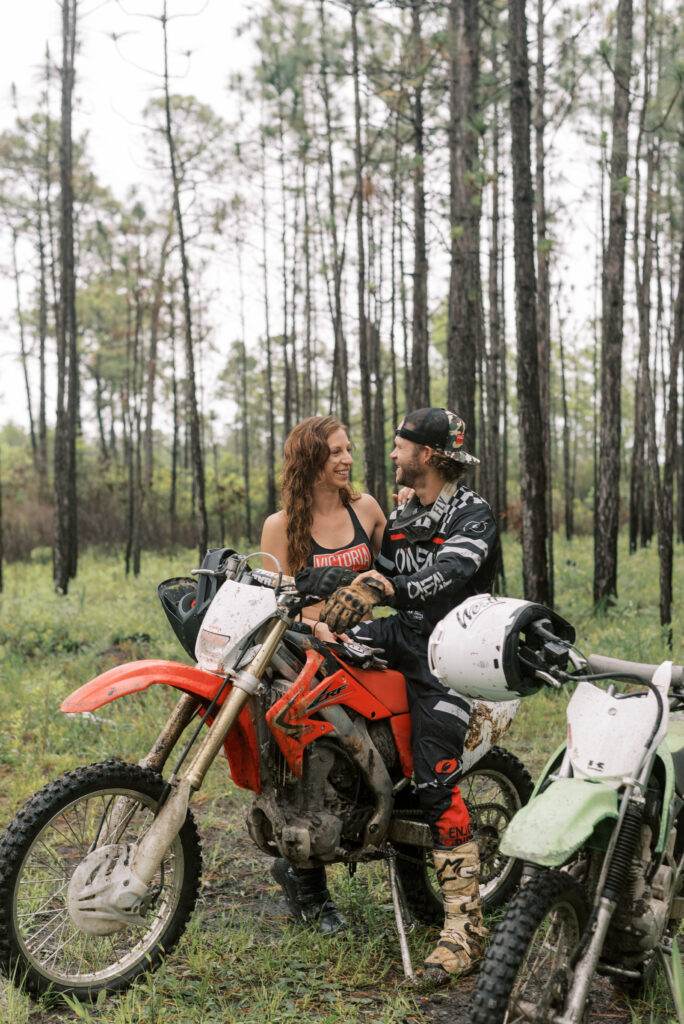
(285, 256)
(543, 285)
(492, 467)
(419, 382)
(196, 455)
(173, 517)
(364, 366)
(23, 355)
(65, 554)
(309, 356)
(244, 392)
(532, 468)
(155, 318)
(340, 362)
(568, 488)
(465, 334)
(606, 521)
(268, 373)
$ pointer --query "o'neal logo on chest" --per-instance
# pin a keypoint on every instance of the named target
(409, 560)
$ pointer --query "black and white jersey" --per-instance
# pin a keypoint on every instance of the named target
(432, 576)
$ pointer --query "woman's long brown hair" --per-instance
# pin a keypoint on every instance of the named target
(306, 453)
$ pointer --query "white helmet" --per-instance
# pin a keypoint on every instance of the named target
(490, 647)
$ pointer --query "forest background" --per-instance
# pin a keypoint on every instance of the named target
(475, 203)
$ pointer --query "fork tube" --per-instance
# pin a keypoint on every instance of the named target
(244, 685)
(169, 821)
(168, 737)
(586, 967)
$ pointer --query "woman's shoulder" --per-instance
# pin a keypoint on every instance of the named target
(276, 521)
(366, 502)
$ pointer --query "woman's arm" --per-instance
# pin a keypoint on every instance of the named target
(373, 521)
(274, 542)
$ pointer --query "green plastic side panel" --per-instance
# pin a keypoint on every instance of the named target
(558, 821)
(553, 762)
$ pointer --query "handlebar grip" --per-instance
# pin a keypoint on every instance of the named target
(599, 663)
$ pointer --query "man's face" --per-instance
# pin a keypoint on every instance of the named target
(409, 461)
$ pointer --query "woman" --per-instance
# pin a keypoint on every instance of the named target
(324, 521)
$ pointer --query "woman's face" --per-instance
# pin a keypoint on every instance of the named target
(337, 469)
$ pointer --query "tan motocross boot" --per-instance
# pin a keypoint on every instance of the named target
(461, 944)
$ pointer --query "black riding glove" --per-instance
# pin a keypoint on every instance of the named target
(323, 581)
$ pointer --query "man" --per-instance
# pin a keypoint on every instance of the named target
(438, 549)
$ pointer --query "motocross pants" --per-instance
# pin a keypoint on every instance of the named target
(439, 722)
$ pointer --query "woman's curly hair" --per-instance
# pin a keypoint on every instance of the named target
(306, 453)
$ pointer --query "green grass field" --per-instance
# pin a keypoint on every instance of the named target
(240, 959)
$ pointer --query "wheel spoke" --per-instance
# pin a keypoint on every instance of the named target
(92, 807)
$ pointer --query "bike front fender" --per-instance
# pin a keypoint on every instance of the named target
(558, 821)
(136, 676)
(241, 743)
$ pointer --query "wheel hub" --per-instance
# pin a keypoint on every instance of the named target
(104, 895)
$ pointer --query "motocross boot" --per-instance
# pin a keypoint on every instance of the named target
(461, 944)
(307, 896)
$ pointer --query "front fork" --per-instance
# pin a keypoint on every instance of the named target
(165, 827)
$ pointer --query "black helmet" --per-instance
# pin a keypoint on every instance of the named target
(185, 599)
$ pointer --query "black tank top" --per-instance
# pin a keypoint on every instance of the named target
(355, 555)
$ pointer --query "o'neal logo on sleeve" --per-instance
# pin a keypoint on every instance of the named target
(358, 557)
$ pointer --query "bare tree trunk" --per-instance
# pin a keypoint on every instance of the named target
(543, 287)
(155, 316)
(173, 518)
(340, 363)
(196, 455)
(268, 381)
(465, 334)
(568, 488)
(492, 467)
(606, 521)
(364, 366)
(23, 355)
(532, 467)
(65, 555)
(419, 381)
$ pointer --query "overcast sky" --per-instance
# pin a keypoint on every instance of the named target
(114, 82)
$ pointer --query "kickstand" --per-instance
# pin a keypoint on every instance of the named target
(664, 951)
(402, 915)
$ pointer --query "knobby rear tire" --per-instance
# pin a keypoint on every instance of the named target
(493, 790)
(40, 946)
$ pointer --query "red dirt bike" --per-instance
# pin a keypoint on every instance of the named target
(100, 870)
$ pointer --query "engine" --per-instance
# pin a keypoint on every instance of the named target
(321, 817)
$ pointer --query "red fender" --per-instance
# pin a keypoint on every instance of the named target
(135, 676)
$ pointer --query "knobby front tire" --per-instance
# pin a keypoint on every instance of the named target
(40, 946)
(527, 973)
(493, 790)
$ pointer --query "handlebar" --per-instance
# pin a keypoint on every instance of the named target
(600, 663)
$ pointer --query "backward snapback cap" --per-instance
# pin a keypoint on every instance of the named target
(438, 429)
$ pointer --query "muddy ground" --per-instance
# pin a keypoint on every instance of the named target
(250, 891)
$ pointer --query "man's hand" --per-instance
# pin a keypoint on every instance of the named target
(350, 604)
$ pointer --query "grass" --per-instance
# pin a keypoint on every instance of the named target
(240, 960)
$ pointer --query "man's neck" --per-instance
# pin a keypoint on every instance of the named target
(427, 491)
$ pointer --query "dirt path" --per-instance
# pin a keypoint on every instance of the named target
(237, 880)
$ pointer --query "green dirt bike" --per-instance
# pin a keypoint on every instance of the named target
(602, 841)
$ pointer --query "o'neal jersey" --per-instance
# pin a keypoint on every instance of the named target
(432, 576)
